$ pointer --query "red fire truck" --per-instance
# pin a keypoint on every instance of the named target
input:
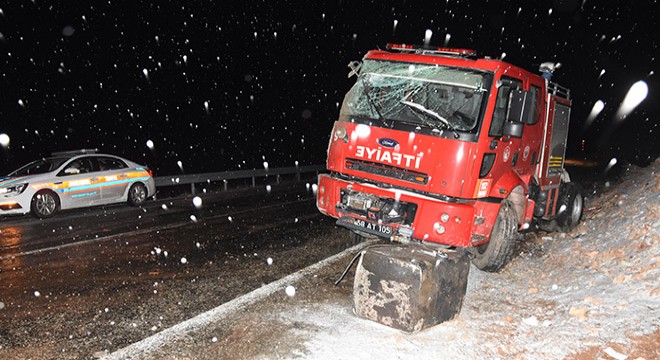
(439, 147)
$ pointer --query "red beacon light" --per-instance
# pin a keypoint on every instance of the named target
(432, 50)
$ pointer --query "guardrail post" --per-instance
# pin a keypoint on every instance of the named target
(253, 183)
(224, 184)
(277, 178)
(192, 188)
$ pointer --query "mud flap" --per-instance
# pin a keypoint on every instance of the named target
(409, 288)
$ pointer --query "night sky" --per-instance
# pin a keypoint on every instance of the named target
(222, 85)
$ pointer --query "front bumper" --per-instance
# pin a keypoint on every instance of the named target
(460, 223)
(19, 204)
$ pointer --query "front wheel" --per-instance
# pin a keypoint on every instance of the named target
(44, 204)
(359, 236)
(496, 253)
(137, 194)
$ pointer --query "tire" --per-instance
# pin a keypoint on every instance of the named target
(359, 237)
(137, 194)
(570, 206)
(44, 204)
(496, 253)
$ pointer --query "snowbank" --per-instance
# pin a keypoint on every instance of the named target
(594, 292)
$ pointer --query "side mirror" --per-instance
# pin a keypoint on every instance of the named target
(521, 107)
(355, 68)
(513, 129)
(517, 102)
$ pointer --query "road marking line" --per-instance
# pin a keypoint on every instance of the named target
(143, 231)
(145, 347)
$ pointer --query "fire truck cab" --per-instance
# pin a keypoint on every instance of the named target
(437, 146)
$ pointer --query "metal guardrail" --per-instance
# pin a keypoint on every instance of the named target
(225, 176)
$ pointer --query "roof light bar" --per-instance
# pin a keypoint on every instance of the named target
(75, 152)
(432, 50)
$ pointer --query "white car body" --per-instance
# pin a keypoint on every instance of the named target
(76, 180)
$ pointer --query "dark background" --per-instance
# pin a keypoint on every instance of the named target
(274, 72)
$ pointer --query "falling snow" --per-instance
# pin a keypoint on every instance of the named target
(636, 94)
(290, 291)
(4, 140)
(217, 95)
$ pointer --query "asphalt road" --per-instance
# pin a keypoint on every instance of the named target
(88, 282)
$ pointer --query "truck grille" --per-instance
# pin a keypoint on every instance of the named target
(387, 171)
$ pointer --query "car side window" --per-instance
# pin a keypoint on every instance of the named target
(108, 163)
(502, 104)
(77, 166)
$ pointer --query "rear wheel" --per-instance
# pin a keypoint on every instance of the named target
(571, 204)
(137, 194)
(45, 204)
(496, 253)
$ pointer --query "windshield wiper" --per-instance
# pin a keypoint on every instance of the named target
(432, 113)
(365, 90)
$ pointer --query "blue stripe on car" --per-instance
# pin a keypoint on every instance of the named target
(91, 186)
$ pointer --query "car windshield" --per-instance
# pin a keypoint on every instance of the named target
(39, 167)
(426, 95)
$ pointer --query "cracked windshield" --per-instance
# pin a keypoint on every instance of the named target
(430, 96)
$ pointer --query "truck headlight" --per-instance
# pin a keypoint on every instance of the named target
(13, 190)
(439, 229)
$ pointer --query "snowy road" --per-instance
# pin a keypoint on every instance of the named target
(97, 280)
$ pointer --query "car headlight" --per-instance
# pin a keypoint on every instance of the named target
(13, 190)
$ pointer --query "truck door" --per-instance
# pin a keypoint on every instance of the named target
(530, 147)
(507, 149)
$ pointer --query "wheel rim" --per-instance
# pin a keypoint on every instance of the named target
(45, 204)
(577, 209)
(138, 194)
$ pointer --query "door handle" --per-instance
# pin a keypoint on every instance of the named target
(95, 179)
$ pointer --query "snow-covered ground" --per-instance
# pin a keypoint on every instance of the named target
(593, 293)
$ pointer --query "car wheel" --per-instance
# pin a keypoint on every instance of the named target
(571, 205)
(45, 204)
(137, 194)
(493, 255)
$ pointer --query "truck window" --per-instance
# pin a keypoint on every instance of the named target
(532, 114)
(430, 96)
(502, 104)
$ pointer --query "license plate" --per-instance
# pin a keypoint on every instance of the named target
(374, 227)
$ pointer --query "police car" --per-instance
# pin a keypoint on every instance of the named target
(74, 179)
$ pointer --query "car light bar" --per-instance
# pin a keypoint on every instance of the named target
(75, 152)
(432, 50)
